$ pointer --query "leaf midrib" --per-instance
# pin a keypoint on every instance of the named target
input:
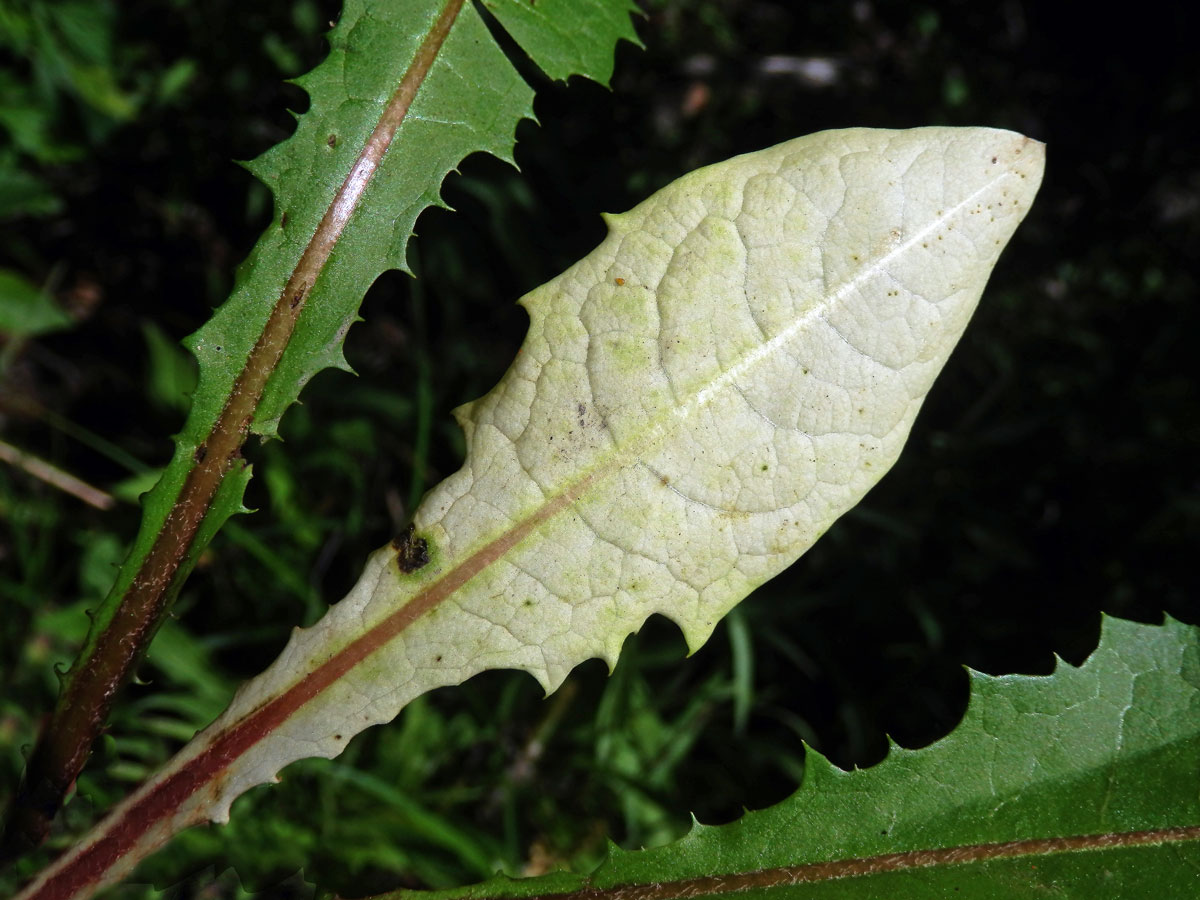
(811, 873)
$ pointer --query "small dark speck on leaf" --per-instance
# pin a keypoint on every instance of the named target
(412, 552)
(994, 160)
(332, 141)
(283, 221)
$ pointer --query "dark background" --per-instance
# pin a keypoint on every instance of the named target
(1051, 476)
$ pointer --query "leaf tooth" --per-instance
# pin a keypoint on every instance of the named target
(696, 632)
(547, 680)
(618, 223)
(464, 416)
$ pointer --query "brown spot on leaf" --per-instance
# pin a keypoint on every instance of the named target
(412, 552)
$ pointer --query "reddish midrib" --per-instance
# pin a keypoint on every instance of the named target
(810, 873)
(140, 817)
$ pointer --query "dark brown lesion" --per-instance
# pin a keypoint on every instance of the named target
(412, 552)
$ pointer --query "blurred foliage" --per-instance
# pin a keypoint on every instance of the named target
(1049, 476)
